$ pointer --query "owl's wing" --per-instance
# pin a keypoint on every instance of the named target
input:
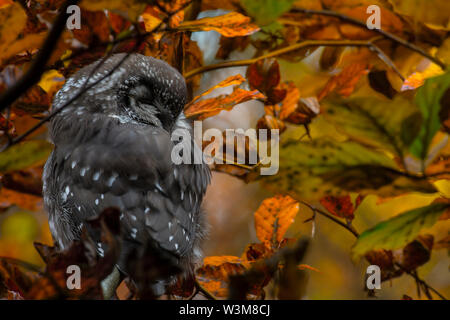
(129, 166)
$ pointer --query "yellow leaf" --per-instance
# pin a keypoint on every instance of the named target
(13, 19)
(51, 81)
(152, 18)
(417, 79)
(229, 25)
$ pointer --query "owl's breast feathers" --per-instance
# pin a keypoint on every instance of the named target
(108, 163)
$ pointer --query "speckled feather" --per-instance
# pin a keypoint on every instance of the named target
(115, 151)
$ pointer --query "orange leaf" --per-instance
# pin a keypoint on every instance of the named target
(152, 17)
(210, 107)
(344, 83)
(4, 3)
(230, 81)
(229, 25)
(214, 273)
(9, 198)
(274, 216)
(306, 266)
(290, 101)
(341, 207)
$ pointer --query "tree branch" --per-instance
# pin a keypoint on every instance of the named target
(362, 24)
(37, 67)
(304, 44)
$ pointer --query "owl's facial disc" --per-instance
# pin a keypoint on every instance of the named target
(144, 106)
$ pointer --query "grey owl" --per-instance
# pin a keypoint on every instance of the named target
(112, 148)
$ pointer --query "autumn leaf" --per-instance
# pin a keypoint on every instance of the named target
(22, 155)
(264, 76)
(417, 79)
(379, 82)
(35, 100)
(273, 218)
(416, 253)
(365, 120)
(230, 81)
(13, 19)
(390, 22)
(341, 207)
(9, 198)
(216, 270)
(399, 230)
(330, 57)
(209, 107)
(152, 17)
(344, 83)
(229, 25)
(28, 180)
(311, 170)
(433, 13)
(428, 99)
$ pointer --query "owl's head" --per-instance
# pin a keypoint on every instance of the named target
(141, 89)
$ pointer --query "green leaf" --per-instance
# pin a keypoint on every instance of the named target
(24, 154)
(428, 100)
(375, 122)
(398, 231)
(313, 169)
(266, 11)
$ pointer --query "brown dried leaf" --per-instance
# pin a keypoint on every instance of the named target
(415, 253)
(27, 181)
(264, 75)
(35, 100)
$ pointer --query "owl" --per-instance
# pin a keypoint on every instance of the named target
(113, 148)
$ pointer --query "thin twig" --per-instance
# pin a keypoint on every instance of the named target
(334, 219)
(386, 34)
(205, 291)
(421, 282)
(37, 67)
